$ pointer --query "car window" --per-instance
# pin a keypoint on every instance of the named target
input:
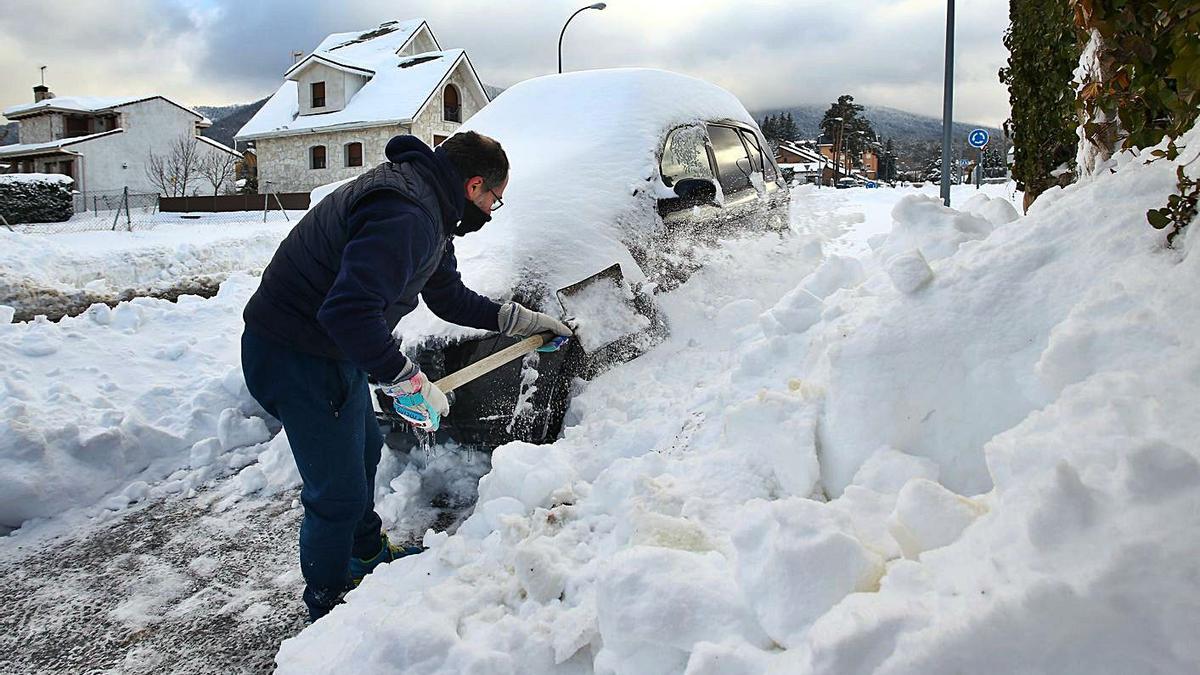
(684, 156)
(757, 159)
(728, 148)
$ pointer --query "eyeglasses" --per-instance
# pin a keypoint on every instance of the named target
(498, 203)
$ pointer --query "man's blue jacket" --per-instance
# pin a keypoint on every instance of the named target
(356, 262)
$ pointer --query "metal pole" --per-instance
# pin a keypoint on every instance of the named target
(948, 102)
(979, 170)
(598, 5)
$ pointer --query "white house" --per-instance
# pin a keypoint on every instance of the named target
(105, 144)
(338, 107)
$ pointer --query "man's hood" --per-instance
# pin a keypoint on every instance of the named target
(435, 166)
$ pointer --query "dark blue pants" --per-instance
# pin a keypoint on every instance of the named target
(325, 409)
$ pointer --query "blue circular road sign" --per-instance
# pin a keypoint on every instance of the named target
(978, 138)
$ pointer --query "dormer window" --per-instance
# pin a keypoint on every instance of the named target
(451, 104)
(318, 94)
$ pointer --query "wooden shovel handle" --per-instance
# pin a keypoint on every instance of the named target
(489, 363)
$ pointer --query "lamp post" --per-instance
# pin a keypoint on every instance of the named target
(837, 149)
(948, 102)
(598, 5)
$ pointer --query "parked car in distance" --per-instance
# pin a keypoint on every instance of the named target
(847, 182)
(632, 166)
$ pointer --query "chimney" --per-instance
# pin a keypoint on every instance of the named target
(41, 92)
(296, 56)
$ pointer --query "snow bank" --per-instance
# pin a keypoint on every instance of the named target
(1007, 471)
(109, 261)
(118, 397)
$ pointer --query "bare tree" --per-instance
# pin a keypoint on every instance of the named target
(173, 172)
(217, 168)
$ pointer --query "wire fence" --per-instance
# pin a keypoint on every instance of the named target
(124, 211)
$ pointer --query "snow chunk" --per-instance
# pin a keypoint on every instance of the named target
(888, 470)
(924, 223)
(908, 271)
(236, 431)
(526, 472)
(929, 516)
(6, 314)
(643, 599)
(780, 430)
(796, 558)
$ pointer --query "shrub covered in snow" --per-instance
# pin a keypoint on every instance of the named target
(36, 198)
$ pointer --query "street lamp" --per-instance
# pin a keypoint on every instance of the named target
(837, 148)
(598, 5)
(948, 102)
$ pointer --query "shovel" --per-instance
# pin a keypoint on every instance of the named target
(612, 324)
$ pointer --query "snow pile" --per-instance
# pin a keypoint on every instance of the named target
(104, 261)
(93, 407)
(1006, 472)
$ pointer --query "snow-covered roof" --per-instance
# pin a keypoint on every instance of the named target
(801, 151)
(397, 88)
(89, 104)
(50, 146)
(218, 145)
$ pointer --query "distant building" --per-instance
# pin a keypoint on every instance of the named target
(104, 143)
(338, 107)
(800, 160)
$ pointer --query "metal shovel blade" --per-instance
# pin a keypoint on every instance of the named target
(613, 323)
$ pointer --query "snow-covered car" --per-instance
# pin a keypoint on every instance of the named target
(625, 166)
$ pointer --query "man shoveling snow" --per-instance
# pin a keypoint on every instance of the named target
(322, 320)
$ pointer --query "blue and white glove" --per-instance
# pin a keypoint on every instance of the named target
(519, 321)
(416, 399)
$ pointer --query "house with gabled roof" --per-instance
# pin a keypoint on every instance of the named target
(338, 106)
(104, 143)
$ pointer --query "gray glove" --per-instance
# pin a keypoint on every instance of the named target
(520, 322)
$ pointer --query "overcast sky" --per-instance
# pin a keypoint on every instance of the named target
(770, 54)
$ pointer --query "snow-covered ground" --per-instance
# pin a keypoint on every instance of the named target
(968, 450)
(901, 438)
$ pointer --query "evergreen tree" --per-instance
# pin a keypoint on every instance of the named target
(852, 123)
(787, 127)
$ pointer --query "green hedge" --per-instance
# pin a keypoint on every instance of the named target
(35, 198)
(1044, 51)
(1151, 80)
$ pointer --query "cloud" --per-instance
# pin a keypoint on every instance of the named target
(769, 53)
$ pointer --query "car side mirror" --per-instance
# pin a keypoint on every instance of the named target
(690, 192)
(696, 192)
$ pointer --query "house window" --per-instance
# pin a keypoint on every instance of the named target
(354, 154)
(76, 126)
(438, 139)
(318, 94)
(451, 104)
(316, 157)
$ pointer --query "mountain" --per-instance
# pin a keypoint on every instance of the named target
(888, 122)
(917, 139)
(227, 119)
